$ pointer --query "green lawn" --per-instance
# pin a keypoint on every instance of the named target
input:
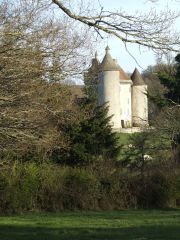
(115, 225)
(123, 138)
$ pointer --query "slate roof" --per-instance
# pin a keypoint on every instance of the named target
(110, 64)
(137, 78)
(95, 63)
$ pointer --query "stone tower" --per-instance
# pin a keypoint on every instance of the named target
(139, 100)
(108, 88)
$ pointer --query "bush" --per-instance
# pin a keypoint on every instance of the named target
(51, 188)
(157, 190)
(22, 187)
(3, 191)
(48, 187)
(81, 190)
(116, 191)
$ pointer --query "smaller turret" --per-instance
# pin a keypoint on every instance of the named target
(91, 76)
(139, 100)
(95, 62)
(137, 78)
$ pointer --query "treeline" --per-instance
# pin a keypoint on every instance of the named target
(49, 187)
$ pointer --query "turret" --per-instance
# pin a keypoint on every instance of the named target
(109, 88)
(139, 100)
(91, 76)
(95, 63)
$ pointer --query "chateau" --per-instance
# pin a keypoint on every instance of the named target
(126, 96)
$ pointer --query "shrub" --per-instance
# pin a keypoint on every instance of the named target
(23, 186)
(81, 190)
(116, 191)
(51, 191)
(157, 190)
(49, 187)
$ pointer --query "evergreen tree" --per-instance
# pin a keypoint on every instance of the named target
(91, 81)
(172, 82)
(169, 117)
(91, 139)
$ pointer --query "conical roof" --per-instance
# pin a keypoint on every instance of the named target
(95, 63)
(108, 64)
(137, 78)
(123, 75)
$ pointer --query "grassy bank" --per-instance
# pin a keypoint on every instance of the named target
(114, 225)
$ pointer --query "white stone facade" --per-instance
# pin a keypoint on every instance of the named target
(126, 96)
(107, 93)
(139, 105)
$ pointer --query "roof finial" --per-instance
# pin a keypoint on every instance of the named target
(107, 49)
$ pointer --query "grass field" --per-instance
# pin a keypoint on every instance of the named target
(123, 138)
(115, 225)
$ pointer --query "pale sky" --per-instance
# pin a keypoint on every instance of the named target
(144, 56)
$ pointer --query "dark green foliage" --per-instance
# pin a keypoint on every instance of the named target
(3, 192)
(160, 101)
(135, 154)
(30, 187)
(20, 189)
(117, 190)
(81, 190)
(172, 82)
(93, 137)
(163, 82)
(91, 81)
(90, 136)
(177, 58)
(144, 150)
(91, 140)
(166, 120)
(158, 190)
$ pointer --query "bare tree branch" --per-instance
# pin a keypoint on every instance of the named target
(151, 30)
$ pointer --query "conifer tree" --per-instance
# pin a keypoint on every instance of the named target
(93, 137)
(90, 138)
(169, 117)
(172, 82)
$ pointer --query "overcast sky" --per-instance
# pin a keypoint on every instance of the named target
(144, 57)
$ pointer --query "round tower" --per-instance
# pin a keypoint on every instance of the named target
(139, 100)
(109, 88)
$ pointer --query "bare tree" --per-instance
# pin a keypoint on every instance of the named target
(153, 30)
(37, 56)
